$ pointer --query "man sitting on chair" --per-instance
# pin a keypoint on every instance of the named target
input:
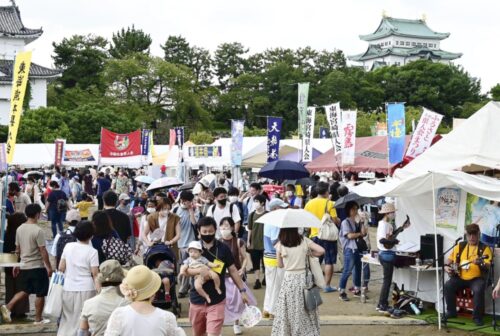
(472, 261)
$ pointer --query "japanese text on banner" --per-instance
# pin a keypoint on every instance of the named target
(302, 106)
(333, 115)
(349, 137)
(59, 148)
(273, 138)
(237, 129)
(424, 133)
(396, 131)
(19, 83)
(145, 141)
(307, 139)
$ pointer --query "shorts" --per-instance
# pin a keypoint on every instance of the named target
(330, 256)
(207, 319)
(34, 281)
(257, 257)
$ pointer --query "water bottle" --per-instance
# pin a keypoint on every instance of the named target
(415, 309)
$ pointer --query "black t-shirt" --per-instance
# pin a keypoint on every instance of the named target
(121, 223)
(223, 253)
(54, 197)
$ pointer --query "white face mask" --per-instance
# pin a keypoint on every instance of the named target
(289, 194)
(151, 210)
(226, 233)
(233, 199)
(183, 206)
(164, 213)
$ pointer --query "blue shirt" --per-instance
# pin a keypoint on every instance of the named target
(345, 228)
(103, 185)
(187, 231)
(271, 234)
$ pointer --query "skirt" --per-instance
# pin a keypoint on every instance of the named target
(234, 303)
(71, 311)
(291, 317)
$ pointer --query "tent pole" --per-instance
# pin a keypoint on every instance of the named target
(4, 207)
(436, 251)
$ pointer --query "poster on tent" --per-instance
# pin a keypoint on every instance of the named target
(237, 129)
(324, 133)
(114, 145)
(302, 106)
(205, 151)
(396, 131)
(333, 115)
(273, 138)
(307, 139)
(179, 136)
(484, 213)
(424, 133)
(84, 155)
(349, 137)
(447, 207)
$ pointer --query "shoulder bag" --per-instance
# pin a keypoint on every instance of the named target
(312, 296)
(328, 230)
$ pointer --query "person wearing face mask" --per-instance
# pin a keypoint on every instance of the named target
(293, 201)
(124, 204)
(167, 222)
(222, 208)
(256, 238)
(233, 198)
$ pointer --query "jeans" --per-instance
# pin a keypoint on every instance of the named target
(387, 259)
(57, 219)
(352, 264)
(477, 286)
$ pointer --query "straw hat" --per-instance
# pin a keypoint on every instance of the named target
(387, 208)
(140, 283)
(111, 271)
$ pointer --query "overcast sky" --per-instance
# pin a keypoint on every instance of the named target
(261, 24)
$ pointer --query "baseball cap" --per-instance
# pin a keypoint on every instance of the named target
(123, 196)
(277, 203)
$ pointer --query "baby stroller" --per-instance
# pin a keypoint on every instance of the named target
(161, 252)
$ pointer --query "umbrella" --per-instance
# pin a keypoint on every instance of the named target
(165, 182)
(30, 173)
(305, 181)
(361, 200)
(187, 186)
(144, 179)
(284, 170)
(290, 218)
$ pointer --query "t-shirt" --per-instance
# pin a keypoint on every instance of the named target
(271, 234)
(79, 260)
(219, 213)
(317, 207)
(21, 201)
(347, 227)
(54, 197)
(187, 231)
(296, 201)
(294, 258)
(83, 207)
(223, 253)
(193, 263)
(103, 185)
(383, 230)
(29, 238)
(121, 223)
(469, 254)
(257, 231)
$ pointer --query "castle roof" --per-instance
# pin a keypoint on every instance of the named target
(374, 51)
(12, 26)
(403, 27)
(36, 71)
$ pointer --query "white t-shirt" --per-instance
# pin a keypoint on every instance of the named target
(383, 230)
(79, 260)
(126, 321)
(219, 213)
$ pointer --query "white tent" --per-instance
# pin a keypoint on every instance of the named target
(473, 146)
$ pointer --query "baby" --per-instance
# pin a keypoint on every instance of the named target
(164, 268)
(196, 260)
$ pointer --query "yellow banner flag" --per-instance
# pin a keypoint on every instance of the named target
(19, 83)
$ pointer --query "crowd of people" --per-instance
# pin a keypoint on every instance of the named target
(106, 222)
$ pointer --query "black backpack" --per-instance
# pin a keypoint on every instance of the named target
(62, 205)
(64, 238)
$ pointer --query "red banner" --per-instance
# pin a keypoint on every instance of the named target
(59, 146)
(114, 145)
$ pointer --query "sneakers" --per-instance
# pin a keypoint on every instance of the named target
(257, 285)
(343, 297)
(237, 329)
(329, 289)
(357, 293)
(265, 314)
(5, 314)
(382, 308)
(43, 321)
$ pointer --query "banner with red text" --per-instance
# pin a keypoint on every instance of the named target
(114, 145)
(59, 149)
(349, 137)
(426, 129)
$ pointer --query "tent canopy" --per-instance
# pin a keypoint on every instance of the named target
(371, 155)
(471, 147)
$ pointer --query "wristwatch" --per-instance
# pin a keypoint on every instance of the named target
(243, 290)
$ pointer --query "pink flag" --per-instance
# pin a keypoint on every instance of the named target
(172, 138)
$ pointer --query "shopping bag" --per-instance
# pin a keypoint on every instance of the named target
(53, 303)
(251, 316)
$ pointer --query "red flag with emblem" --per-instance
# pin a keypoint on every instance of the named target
(114, 145)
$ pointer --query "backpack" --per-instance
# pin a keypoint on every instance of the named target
(212, 208)
(62, 205)
(64, 238)
(115, 248)
(328, 230)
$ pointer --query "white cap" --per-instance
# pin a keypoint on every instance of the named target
(73, 215)
(195, 244)
(123, 196)
(277, 203)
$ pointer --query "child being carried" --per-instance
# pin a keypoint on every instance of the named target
(196, 260)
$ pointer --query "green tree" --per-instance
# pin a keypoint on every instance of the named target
(495, 92)
(43, 125)
(201, 138)
(129, 41)
(82, 60)
(229, 63)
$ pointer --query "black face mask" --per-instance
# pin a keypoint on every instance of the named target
(222, 201)
(207, 238)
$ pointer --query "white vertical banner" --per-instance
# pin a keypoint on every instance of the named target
(423, 135)
(333, 114)
(307, 139)
(349, 137)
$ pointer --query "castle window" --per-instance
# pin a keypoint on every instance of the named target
(425, 45)
(407, 44)
(413, 44)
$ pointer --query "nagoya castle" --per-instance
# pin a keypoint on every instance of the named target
(399, 41)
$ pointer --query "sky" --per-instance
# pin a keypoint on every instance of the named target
(262, 24)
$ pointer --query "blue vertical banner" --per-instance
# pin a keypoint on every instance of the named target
(3, 158)
(324, 133)
(179, 136)
(396, 131)
(273, 138)
(146, 134)
(237, 130)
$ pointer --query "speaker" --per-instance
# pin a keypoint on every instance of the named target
(427, 247)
